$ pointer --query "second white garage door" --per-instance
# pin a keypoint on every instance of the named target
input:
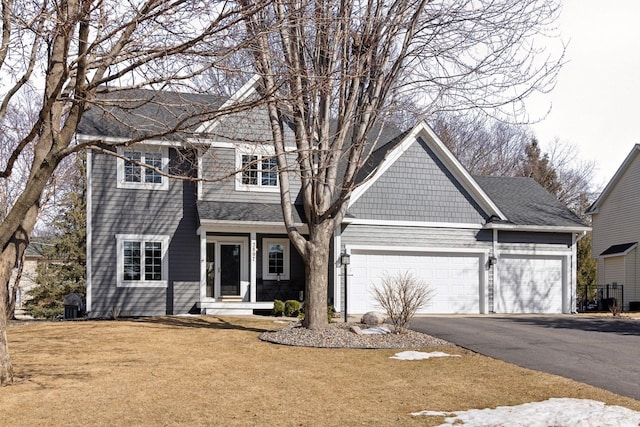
(529, 285)
(454, 279)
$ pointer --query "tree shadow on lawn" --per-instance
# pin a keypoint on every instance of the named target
(210, 322)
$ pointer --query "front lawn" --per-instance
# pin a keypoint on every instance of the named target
(215, 371)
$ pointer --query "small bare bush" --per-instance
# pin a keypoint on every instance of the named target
(615, 309)
(401, 296)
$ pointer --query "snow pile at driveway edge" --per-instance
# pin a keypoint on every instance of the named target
(420, 355)
(553, 412)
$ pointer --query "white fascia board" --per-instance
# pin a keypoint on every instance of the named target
(382, 222)
(454, 166)
(539, 228)
(422, 249)
(594, 208)
(122, 141)
(243, 93)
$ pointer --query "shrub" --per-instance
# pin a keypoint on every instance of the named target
(401, 296)
(291, 308)
(278, 308)
(330, 313)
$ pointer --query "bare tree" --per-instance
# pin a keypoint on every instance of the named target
(401, 296)
(332, 69)
(71, 51)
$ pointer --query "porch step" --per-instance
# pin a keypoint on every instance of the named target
(237, 307)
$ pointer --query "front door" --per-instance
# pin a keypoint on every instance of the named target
(230, 269)
(226, 275)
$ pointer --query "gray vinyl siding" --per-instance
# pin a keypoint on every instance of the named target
(243, 128)
(543, 241)
(250, 126)
(138, 211)
(446, 238)
(219, 164)
(418, 187)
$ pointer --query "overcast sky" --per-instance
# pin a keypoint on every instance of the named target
(595, 102)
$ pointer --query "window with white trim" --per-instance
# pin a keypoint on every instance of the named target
(142, 260)
(275, 259)
(259, 172)
(133, 174)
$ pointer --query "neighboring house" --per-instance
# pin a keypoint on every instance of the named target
(33, 256)
(164, 246)
(616, 233)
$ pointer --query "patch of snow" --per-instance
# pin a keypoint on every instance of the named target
(376, 330)
(559, 412)
(420, 355)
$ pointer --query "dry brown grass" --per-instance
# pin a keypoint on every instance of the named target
(215, 371)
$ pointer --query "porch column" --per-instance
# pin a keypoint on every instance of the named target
(203, 265)
(252, 266)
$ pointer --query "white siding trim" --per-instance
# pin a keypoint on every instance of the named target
(118, 141)
(358, 221)
(428, 249)
(89, 254)
(253, 255)
(337, 285)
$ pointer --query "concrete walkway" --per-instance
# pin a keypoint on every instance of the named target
(601, 351)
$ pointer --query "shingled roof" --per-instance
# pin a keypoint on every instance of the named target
(252, 212)
(136, 113)
(525, 202)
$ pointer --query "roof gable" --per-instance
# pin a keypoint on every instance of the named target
(614, 180)
(387, 155)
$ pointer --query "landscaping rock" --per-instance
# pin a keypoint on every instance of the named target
(373, 318)
(356, 329)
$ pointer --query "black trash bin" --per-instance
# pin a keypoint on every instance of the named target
(73, 306)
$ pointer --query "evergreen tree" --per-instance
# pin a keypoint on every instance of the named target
(66, 270)
(536, 165)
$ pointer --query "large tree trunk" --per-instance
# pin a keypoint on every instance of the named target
(12, 292)
(317, 277)
(12, 252)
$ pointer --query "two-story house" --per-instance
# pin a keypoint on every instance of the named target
(160, 245)
(616, 233)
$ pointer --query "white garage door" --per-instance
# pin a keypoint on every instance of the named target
(455, 280)
(529, 285)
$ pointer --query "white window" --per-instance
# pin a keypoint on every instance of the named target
(275, 259)
(133, 174)
(259, 171)
(142, 260)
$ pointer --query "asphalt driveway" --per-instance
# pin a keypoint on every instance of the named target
(601, 351)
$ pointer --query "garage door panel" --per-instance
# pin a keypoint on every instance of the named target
(529, 285)
(455, 280)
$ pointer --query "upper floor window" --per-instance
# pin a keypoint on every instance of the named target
(136, 174)
(259, 172)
